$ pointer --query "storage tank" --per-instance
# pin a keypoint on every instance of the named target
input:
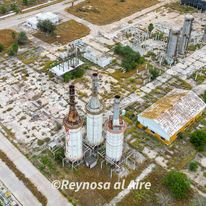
(73, 126)
(115, 128)
(94, 110)
(172, 45)
(186, 34)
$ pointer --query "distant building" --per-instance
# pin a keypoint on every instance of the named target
(170, 115)
(33, 21)
(200, 4)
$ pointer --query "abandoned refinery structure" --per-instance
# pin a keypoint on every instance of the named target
(179, 39)
(94, 110)
(73, 126)
(102, 139)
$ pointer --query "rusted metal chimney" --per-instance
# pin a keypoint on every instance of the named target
(73, 126)
(72, 120)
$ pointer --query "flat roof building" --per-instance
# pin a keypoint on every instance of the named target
(171, 114)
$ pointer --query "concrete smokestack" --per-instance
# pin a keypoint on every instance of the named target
(172, 46)
(115, 128)
(116, 111)
(94, 109)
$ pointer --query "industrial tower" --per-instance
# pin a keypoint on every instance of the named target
(94, 110)
(186, 34)
(115, 128)
(73, 126)
(172, 47)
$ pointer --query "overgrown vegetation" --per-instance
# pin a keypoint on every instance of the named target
(193, 166)
(130, 58)
(10, 41)
(46, 26)
(65, 33)
(198, 139)
(183, 9)
(154, 72)
(41, 198)
(77, 73)
(177, 183)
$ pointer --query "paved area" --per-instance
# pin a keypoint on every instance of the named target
(25, 166)
(19, 19)
(19, 190)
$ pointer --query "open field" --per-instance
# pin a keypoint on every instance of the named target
(7, 37)
(105, 12)
(65, 33)
(157, 195)
(53, 170)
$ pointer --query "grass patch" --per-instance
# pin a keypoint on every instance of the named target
(65, 32)
(41, 198)
(183, 9)
(7, 37)
(105, 12)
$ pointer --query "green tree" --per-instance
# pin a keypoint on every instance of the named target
(22, 38)
(3, 9)
(130, 58)
(46, 26)
(198, 139)
(150, 28)
(177, 183)
(26, 2)
(13, 49)
(1, 47)
(193, 166)
(15, 8)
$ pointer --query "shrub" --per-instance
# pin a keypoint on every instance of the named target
(77, 73)
(13, 49)
(193, 166)
(177, 183)
(1, 47)
(14, 7)
(154, 72)
(22, 38)
(3, 9)
(46, 26)
(130, 58)
(198, 139)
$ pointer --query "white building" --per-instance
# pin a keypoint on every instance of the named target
(33, 21)
(97, 57)
(171, 114)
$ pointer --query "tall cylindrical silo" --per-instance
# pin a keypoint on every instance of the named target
(115, 128)
(94, 110)
(186, 34)
(172, 45)
(73, 126)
